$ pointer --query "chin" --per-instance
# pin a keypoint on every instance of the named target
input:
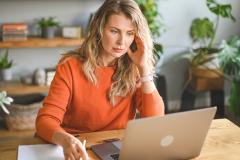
(118, 54)
(115, 56)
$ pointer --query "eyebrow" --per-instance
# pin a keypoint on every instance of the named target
(120, 30)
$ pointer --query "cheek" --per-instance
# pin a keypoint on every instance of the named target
(107, 41)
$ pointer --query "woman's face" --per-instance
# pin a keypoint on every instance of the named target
(118, 35)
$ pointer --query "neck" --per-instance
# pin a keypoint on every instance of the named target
(107, 61)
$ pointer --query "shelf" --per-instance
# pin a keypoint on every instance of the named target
(20, 89)
(36, 42)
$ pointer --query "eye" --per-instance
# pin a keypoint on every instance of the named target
(113, 31)
(130, 33)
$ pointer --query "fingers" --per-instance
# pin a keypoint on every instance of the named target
(139, 43)
(129, 52)
(75, 151)
(82, 149)
(69, 157)
(70, 154)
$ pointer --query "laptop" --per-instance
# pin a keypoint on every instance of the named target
(174, 136)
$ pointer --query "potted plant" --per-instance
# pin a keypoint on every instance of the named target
(20, 114)
(229, 60)
(48, 26)
(23, 112)
(150, 11)
(5, 67)
(204, 73)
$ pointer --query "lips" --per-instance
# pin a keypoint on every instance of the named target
(118, 50)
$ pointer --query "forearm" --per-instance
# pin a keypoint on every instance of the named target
(152, 103)
(46, 126)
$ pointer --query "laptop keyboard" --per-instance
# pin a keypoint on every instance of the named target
(115, 156)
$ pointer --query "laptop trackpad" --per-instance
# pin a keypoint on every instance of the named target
(106, 149)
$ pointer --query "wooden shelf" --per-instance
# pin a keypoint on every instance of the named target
(20, 89)
(36, 42)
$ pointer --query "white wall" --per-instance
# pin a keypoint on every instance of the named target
(177, 15)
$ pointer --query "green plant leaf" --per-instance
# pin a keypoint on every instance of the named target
(223, 10)
(234, 100)
(201, 29)
(201, 59)
(5, 100)
(229, 57)
(158, 49)
(150, 11)
(4, 61)
(48, 22)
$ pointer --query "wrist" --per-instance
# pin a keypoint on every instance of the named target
(146, 78)
(61, 138)
(144, 71)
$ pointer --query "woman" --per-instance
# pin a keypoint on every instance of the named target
(100, 86)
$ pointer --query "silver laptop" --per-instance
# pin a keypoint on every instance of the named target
(171, 137)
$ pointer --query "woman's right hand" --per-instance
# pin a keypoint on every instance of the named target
(73, 149)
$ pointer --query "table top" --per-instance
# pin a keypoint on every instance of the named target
(222, 142)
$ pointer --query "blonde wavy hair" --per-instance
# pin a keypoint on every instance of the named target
(126, 73)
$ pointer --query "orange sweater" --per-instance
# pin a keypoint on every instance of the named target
(76, 105)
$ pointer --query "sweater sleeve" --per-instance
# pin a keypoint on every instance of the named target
(50, 116)
(149, 104)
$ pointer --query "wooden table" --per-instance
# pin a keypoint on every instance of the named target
(222, 142)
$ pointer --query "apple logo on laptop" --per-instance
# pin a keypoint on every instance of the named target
(167, 140)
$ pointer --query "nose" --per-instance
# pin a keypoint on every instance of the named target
(121, 39)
